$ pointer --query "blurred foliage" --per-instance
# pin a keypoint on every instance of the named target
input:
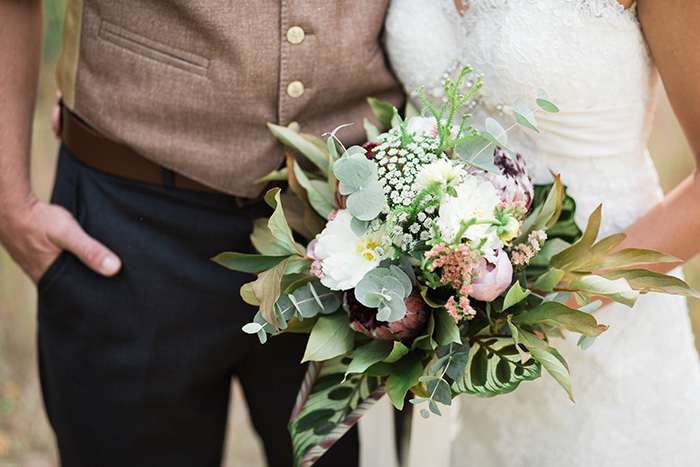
(54, 11)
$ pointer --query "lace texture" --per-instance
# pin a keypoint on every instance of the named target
(636, 387)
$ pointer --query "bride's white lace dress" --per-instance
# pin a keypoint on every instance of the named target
(637, 389)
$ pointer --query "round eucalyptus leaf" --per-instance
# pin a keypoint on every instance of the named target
(367, 202)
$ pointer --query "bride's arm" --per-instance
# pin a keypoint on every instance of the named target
(670, 27)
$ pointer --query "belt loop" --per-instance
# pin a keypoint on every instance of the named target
(168, 177)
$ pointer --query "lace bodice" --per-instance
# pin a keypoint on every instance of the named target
(635, 388)
(591, 58)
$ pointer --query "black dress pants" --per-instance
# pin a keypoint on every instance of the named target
(136, 369)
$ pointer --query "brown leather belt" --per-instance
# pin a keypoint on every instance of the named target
(113, 158)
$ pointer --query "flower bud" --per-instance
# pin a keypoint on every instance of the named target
(493, 278)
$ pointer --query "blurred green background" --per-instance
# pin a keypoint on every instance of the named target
(25, 438)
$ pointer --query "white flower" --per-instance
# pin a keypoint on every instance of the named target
(442, 172)
(422, 126)
(345, 257)
(476, 199)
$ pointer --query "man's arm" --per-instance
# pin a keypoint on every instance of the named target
(34, 233)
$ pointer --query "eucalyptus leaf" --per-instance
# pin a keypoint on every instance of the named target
(524, 116)
(367, 202)
(440, 391)
(477, 152)
(495, 133)
(358, 227)
(544, 103)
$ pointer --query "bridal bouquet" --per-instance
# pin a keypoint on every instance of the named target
(426, 261)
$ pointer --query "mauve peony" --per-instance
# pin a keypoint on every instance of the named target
(494, 278)
(364, 319)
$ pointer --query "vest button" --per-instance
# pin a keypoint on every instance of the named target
(295, 35)
(295, 89)
(294, 126)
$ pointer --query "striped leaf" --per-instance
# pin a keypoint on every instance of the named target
(495, 367)
(327, 408)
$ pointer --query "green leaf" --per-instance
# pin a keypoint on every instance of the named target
(626, 258)
(247, 263)
(404, 375)
(320, 196)
(544, 103)
(371, 130)
(367, 355)
(561, 316)
(477, 152)
(267, 289)
(495, 133)
(578, 249)
(550, 358)
(367, 202)
(248, 295)
(309, 301)
(494, 367)
(274, 176)
(446, 329)
(549, 280)
(278, 224)
(515, 295)
(617, 290)
(298, 141)
(331, 337)
(439, 389)
(600, 248)
(524, 116)
(397, 352)
(645, 281)
(264, 241)
(383, 111)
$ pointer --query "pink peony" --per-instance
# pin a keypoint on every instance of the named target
(363, 319)
(493, 279)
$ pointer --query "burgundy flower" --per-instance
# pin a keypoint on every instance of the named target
(363, 319)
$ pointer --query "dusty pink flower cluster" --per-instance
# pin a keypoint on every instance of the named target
(522, 253)
(459, 266)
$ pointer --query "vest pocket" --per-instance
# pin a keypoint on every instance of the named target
(152, 49)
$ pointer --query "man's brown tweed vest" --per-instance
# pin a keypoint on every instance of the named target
(191, 84)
